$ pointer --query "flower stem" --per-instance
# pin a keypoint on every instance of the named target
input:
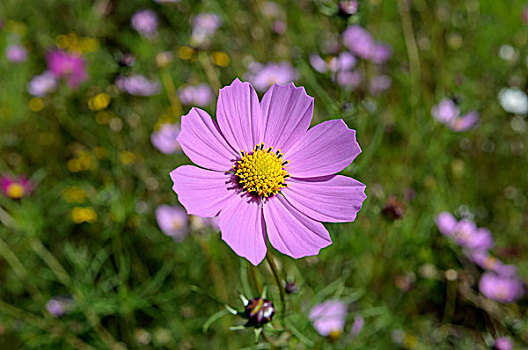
(254, 275)
(210, 72)
(276, 275)
(171, 92)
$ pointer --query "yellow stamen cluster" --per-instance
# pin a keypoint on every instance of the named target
(261, 171)
(15, 190)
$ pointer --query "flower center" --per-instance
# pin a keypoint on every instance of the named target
(15, 190)
(261, 171)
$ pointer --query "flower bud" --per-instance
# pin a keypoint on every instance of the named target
(258, 312)
(291, 288)
(394, 209)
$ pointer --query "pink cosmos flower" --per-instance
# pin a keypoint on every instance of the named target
(329, 318)
(199, 95)
(146, 23)
(264, 76)
(137, 85)
(58, 306)
(464, 232)
(15, 188)
(504, 289)
(357, 326)
(262, 171)
(503, 343)
(16, 53)
(165, 138)
(379, 83)
(348, 8)
(350, 80)
(344, 62)
(173, 221)
(42, 84)
(204, 25)
(359, 41)
(466, 122)
(447, 112)
(68, 66)
(491, 263)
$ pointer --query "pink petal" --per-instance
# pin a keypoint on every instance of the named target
(203, 143)
(238, 115)
(325, 149)
(446, 223)
(286, 114)
(291, 232)
(202, 192)
(242, 227)
(329, 199)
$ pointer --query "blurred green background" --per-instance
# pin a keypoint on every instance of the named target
(134, 287)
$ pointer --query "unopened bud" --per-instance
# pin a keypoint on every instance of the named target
(258, 312)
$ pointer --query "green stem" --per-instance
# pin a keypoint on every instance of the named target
(276, 275)
(171, 92)
(254, 275)
(210, 71)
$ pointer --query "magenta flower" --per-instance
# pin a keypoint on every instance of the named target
(491, 263)
(15, 188)
(381, 53)
(464, 232)
(146, 23)
(357, 326)
(504, 289)
(359, 41)
(329, 318)
(165, 138)
(350, 80)
(447, 112)
(204, 25)
(137, 85)
(344, 62)
(199, 95)
(42, 84)
(379, 84)
(16, 53)
(68, 66)
(466, 122)
(263, 170)
(264, 76)
(173, 221)
(58, 306)
(503, 343)
(348, 8)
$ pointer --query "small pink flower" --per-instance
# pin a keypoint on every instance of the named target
(146, 23)
(68, 66)
(165, 138)
(357, 326)
(464, 232)
(503, 343)
(173, 221)
(199, 95)
(447, 112)
(329, 318)
(504, 289)
(262, 171)
(264, 76)
(15, 188)
(16, 53)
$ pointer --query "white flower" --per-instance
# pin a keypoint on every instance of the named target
(513, 100)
